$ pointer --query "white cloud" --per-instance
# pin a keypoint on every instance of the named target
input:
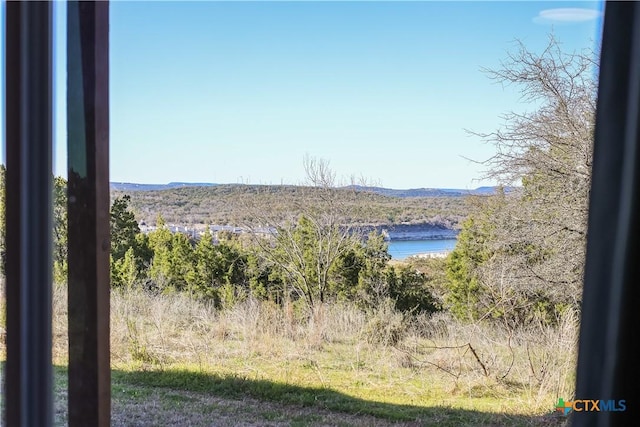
(566, 15)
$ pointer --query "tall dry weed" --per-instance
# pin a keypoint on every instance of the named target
(536, 362)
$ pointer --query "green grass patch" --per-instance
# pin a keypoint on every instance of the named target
(235, 387)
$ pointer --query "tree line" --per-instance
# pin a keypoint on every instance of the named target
(307, 262)
(313, 257)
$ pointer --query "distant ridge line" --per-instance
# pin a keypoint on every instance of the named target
(390, 192)
(132, 186)
(429, 192)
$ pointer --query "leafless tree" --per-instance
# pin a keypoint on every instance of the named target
(539, 231)
(316, 232)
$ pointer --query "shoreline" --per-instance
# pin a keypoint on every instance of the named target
(434, 254)
(425, 255)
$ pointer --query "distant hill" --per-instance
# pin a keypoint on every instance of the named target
(429, 192)
(389, 192)
(130, 186)
(238, 204)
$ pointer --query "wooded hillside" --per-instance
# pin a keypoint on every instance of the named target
(234, 204)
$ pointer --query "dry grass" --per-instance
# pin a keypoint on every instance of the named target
(382, 356)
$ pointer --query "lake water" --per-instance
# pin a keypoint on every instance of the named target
(401, 249)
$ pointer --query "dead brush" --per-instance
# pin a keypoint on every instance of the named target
(159, 329)
(487, 359)
(343, 323)
(60, 338)
(430, 325)
(473, 360)
(386, 326)
(552, 354)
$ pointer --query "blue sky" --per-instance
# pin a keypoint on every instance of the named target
(241, 91)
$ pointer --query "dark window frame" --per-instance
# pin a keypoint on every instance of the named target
(606, 365)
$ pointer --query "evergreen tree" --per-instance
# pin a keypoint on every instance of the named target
(207, 275)
(124, 227)
(160, 270)
(182, 274)
(124, 272)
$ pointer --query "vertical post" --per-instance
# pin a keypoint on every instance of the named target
(28, 386)
(607, 359)
(88, 214)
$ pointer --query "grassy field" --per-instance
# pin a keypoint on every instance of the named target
(177, 361)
